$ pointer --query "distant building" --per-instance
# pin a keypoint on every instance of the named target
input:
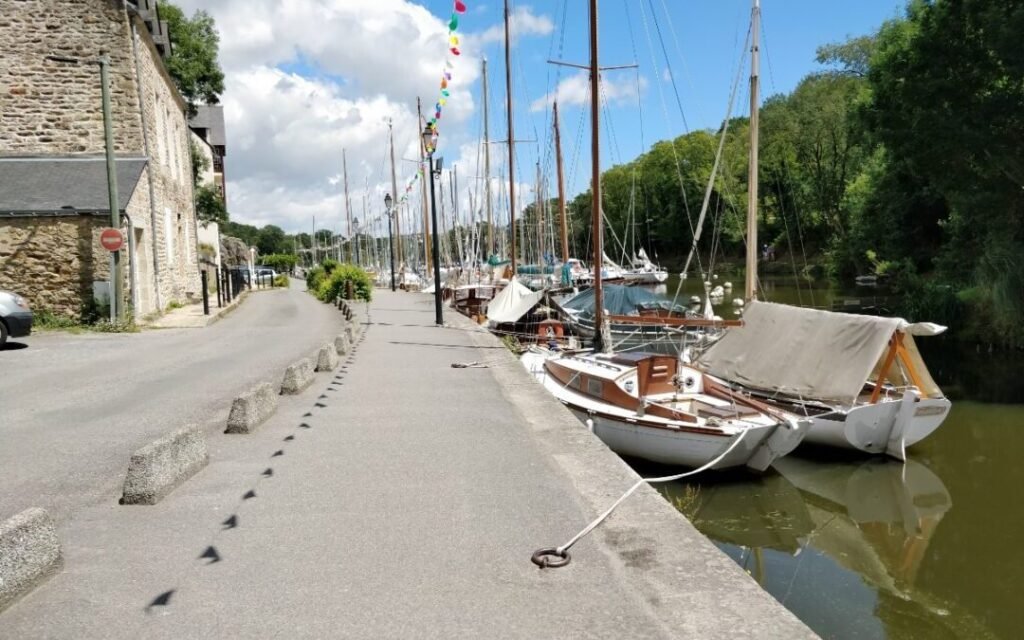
(208, 127)
(53, 185)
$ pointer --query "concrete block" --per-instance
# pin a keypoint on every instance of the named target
(297, 377)
(327, 358)
(342, 344)
(29, 553)
(159, 467)
(252, 408)
(351, 332)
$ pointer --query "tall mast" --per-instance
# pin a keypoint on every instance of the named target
(487, 168)
(348, 203)
(561, 190)
(595, 151)
(423, 184)
(750, 292)
(511, 143)
(394, 196)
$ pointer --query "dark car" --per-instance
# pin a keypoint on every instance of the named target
(15, 316)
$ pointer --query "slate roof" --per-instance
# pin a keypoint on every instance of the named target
(64, 184)
(211, 118)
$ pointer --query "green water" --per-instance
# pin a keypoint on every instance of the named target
(861, 547)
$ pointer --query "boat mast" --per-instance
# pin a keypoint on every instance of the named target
(487, 168)
(540, 225)
(348, 202)
(750, 292)
(511, 143)
(423, 183)
(561, 190)
(394, 196)
(595, 152)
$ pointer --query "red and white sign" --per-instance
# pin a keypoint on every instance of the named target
(112, 240)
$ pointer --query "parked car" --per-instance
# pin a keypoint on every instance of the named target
(15, 316)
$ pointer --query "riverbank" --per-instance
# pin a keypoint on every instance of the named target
(402, 497)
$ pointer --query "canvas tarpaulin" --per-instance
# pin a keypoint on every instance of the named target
(808, 353)
(512, 303)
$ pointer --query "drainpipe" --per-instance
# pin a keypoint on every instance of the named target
(133, 274)
(149, 165)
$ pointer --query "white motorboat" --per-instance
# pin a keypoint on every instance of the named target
(649, 406)
(859, 379)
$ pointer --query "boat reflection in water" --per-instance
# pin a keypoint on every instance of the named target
(840, 544)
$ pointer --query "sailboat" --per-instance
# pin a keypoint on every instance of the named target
(859, 379)
(643, 271)
(651, 406)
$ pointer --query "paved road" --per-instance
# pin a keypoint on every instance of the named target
(74, 407)
(406, 507)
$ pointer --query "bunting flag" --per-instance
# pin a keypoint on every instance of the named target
(458, 7)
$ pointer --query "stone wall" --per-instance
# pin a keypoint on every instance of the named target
(52, 262)
(48, 107)
(53, 107)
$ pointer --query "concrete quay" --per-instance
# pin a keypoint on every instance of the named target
(399, 497)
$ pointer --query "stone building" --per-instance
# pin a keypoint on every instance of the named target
(51, 130)
(208, 128)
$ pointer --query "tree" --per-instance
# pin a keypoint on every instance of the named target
(209, 205)
(272, 239)
(193, 62)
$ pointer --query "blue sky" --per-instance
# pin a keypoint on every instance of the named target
(708, 35)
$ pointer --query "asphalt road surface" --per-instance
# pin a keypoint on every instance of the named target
(74, 407)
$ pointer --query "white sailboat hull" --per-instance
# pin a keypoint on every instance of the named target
(646, 277)
(883, 428)
(660, 440)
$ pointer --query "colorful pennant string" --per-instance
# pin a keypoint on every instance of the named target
(459, 7)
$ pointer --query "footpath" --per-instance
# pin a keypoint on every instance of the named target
(399, 497)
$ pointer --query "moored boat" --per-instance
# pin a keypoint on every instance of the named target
(859, 379)
(649, 406)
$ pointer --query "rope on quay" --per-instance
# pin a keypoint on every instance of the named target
(554, 557)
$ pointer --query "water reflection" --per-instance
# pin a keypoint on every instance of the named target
(864, 548)
(840, 543)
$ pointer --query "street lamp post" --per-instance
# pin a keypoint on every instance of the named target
(391, 241)
(428, 144)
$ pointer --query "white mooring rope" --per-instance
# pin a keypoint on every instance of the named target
(561, 551)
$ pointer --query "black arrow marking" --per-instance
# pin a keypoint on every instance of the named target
(279, 452)
(161, 600)
(307, 414)
(210, 554)
(250, 494)
(320, 405)
(289, 438)
(230, 523)
(269, 472)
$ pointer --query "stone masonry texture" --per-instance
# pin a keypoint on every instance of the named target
(52, 108)
(29, 553)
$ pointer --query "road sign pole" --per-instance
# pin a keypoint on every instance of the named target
(116, 275)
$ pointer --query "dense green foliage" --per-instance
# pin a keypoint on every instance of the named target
(330, 280)
(193, 63)
(209, 205)
(280, 262)
(901, 157)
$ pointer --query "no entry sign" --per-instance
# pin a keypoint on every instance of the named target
(112, 240)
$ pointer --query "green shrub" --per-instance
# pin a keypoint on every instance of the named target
(329, 265)
(281, 281)
(336, 286)
(314, 277)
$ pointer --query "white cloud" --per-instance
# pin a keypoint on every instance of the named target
(522, 22)
(575, 90)
(308, 78)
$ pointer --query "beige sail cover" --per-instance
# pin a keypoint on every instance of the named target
(807, 353)
(512, 303)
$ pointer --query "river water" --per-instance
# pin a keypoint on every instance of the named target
(861, 547)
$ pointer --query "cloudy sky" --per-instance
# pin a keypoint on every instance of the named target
(309, 79)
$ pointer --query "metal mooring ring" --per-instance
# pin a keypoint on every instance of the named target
(543, 558)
